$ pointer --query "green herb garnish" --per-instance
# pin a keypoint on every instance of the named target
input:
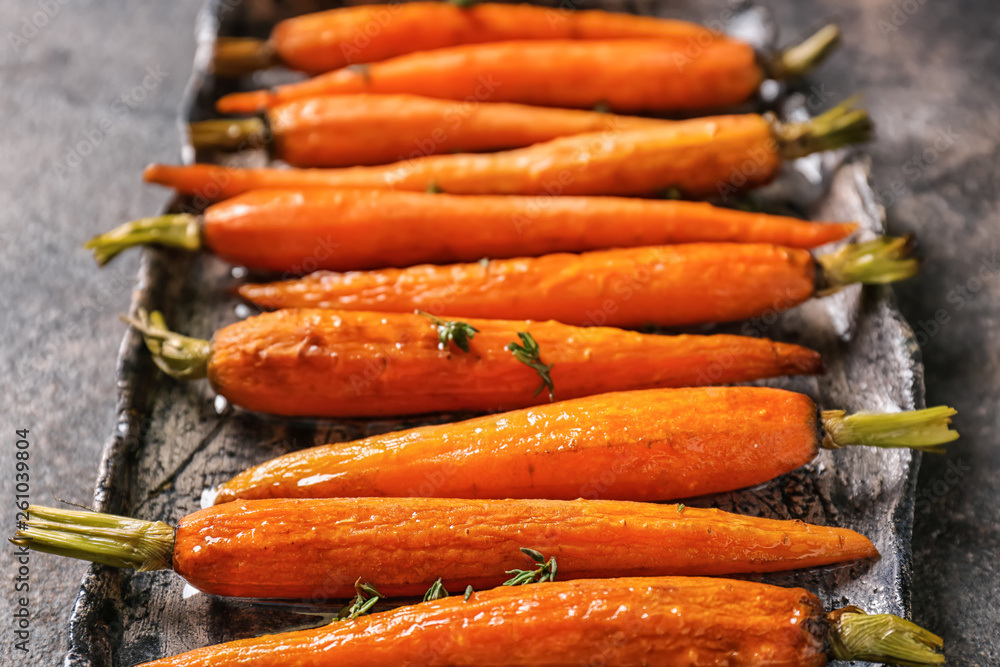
(435, 592)
(544, 571)
(468, 592)
(361, 604)
(680, 508)
(451, 331)
(529, 354)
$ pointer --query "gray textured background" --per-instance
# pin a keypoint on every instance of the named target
(929, 76)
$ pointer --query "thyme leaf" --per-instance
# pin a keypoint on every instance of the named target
(468, 592)
(546, 571)
(450, 331)
(435, 592)
(529, 354)
(361, 604)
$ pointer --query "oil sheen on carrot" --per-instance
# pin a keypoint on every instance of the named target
(657, 444)
(701, 157)
(663, 621)
(679, 285)
(304, 548)
(325, 363)
(299, 231)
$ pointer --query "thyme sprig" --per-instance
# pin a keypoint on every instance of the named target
(529, 354)
(546, 571)
(361, 604)
(436, 591)
(451, 331)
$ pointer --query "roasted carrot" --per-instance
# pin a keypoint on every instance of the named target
(302, 549)
(324, 41)
(325, 363)
(348, 130)
(679, 285)
(663, 621)
(632, 74)
(703, 157)
(657, 444)
(298, 231)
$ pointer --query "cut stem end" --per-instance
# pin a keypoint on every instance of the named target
(883, 260)
(228, 134)
(797, 60)
(100, 538)
(927, 430)
(175, 231)
(856, 635)
(843, 125)
(178, 356)
(238, 56)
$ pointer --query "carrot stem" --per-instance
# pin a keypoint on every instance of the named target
(175, 231)
(228, 133)
(857, 635)
(926, 430)
(100, 538)
(841, 126)
(238, 56)
(883, 260)
(799, 59)
(178, 356)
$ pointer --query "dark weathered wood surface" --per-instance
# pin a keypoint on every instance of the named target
(932, 85)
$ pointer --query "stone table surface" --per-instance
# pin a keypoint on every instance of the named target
(91, 91)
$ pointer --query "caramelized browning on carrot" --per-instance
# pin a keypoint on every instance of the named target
(701, 157)
(664, 621)
(327, 40)
(294, 549)
(628, 75)
(344, 363)
(659, 444)
(300, 231)
(348, 130)
(663, 285)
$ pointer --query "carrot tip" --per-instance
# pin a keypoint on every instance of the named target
(245, 102)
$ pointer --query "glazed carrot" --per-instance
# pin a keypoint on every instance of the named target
(628, 76)
(324, 41)
(662, 621)
(657, 444)
(348, 130)
(634, 74)
(702, 157)
(302, 549)
(298, 231)
(679, 285)
(325, 363)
